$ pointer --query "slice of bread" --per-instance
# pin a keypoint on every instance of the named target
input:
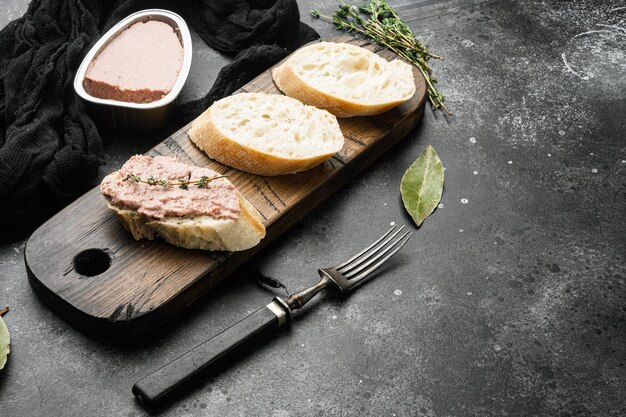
(266, 134)
(198, 232)
(344, 79)
(189, 231)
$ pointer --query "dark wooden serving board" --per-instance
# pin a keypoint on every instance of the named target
(137, 285)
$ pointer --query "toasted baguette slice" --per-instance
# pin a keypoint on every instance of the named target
(344, 79)
(266, 134)
(199, 232)
(191, 231)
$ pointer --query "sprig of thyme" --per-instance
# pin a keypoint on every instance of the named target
(379, 22)
(183, 183)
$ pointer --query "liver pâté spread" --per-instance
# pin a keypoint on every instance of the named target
(218, 199)
(140, 65)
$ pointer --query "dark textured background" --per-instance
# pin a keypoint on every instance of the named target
(509, 300)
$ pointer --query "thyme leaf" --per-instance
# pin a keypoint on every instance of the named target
(182, 183)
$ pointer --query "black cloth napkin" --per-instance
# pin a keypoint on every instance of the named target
(50, 149)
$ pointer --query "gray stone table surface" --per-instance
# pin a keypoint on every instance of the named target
(509, 300)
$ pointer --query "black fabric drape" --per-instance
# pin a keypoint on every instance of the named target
(50, 149)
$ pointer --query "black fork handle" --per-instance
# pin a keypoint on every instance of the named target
(154, 388)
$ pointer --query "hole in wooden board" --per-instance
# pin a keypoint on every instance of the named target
(92, 262)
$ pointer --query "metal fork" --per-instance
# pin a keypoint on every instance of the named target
(154, 388)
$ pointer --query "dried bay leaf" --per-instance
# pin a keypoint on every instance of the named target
(422, 185)
(4, 343)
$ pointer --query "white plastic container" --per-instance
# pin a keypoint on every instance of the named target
(136, 116)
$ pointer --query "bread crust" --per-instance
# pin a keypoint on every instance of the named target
(220, 147)
(292, 85)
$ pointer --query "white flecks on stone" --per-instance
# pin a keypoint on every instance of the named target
(460, 230)
(469, 293)
(467, 43)
(392, 224)
(440, 205)
(464, 200)
(472, 139)
(591, 153)
(302, 345)
(562, 132)
(594, 170)
(360, 381)
(623, 161)
(444, 169)
(334, 317)
(309, 400)
(510, 162)
(497, 348)
(398, 292)
(549, 155)
(384, 204)
(475, 172)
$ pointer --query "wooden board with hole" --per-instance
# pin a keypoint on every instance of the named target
(129, 287)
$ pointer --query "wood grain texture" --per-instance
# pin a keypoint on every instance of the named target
(149, 282)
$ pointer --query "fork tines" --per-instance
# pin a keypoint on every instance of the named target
(372, 257)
